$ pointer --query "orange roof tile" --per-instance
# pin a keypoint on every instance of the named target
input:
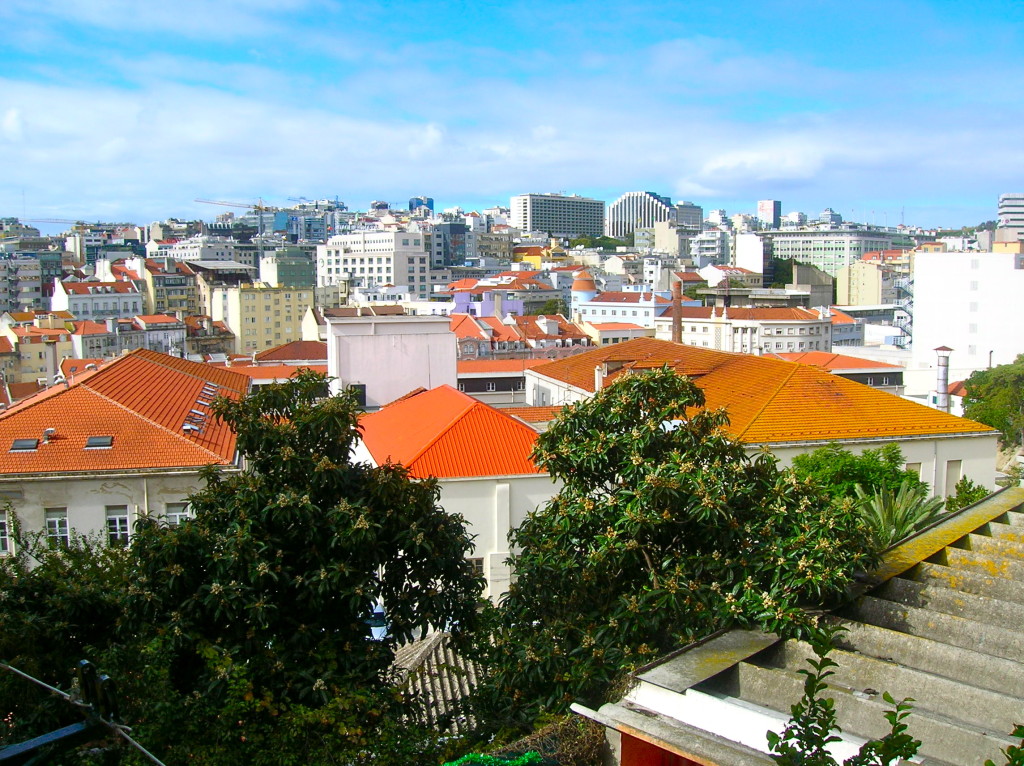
(957, 388)
(88, 288)
(6, 347)
(770, 401)
(276, 371)
(826, 360)
(69, 367)
(296, 350)
(606, 326)
(497, 365)
(157, 319)
(533, 414)
(142, 399)
(750, 314)
(445, 433)
(841, 317)
(612, 296)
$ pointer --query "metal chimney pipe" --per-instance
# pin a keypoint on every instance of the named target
(942, 378)
(677, 312)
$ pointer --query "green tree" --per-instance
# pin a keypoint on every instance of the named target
(552, 307)
(839, 471)
(603, 242)
(995, 397)
(664, 530)
(965, 493)
(284, 562)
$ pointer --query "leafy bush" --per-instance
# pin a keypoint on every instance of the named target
(891, 516)
(839, 471)
(965, 493)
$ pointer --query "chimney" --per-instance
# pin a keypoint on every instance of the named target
(599, 373)
(942, 378)
(677, 312)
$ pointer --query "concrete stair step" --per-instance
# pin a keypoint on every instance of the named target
(966, 665)
(983, 563)
(976, 583)
(863, 715)
(996, 547)
(1009, 532)
(943, 628)
(981, 707)
(937, 598)
(1015, 519)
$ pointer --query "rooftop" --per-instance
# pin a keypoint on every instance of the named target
(769, 401)
(445, 433)
(155, 407)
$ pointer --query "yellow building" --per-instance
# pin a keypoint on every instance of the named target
(261, 316)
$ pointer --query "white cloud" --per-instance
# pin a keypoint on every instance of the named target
(10, 125)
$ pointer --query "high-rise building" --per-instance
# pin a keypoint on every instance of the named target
(689, 216)
(1011, 218)
(637, 210)
(417, 202)
(558, 215)
(769, 212)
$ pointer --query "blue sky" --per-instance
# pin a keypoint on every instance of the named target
(118, 109)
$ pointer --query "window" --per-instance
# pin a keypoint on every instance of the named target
(57, 527)
(99, 442)
(24, 445)
(176, 514)
(914, 468)
(953, 471)
(491, 385)
(5, 540)
(117, 525)
(478, 566)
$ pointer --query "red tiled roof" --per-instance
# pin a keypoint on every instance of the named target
(142, 399)
(6, 347)
(88, 288)
(750, 314)
(276, 371)
(826, 360)
(89, 327)
(605, 326)
(497, 365)
(770, 401)
(690, 276)
(69, 367)
(447, 434)
(841, 317)
(957, 388)
(157, 319)
(613, 296)
(296, 350)
(533, 414)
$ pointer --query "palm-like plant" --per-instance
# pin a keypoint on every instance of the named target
(891, 516)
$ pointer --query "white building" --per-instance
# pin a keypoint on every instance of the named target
(637, 210)
(374, 259)
(971, 303)
(828, 249)
(97, 300)
(558, 215)
(386, 357)
(750, 330)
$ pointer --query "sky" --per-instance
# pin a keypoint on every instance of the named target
(888, 112)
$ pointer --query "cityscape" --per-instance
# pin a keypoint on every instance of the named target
(635, 385)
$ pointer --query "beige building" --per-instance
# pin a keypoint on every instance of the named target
(865, 283)
(260, 316)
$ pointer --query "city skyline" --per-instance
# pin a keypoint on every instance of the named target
(120, 110)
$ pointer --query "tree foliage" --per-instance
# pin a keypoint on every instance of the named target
(553, 306)
(664, 530)
(240, 636)
(995, 397)
(603, 242)
(839, 471)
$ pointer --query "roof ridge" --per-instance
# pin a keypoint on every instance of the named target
(139, 416)
(153, 357)
(448, 427)
(771, 398)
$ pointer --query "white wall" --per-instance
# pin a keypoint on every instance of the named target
(970, 302)
(390, 355)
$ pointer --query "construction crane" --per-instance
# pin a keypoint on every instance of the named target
(259, 208)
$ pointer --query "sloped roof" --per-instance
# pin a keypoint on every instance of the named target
(297, 350)
(957, 388)
(276, 371)
(614, 296)
(942, 621)
(143, 400)
(6, 347)
(841, 317)
(445, 433)
(826, 360)
(90, 288)
(69, 367)
(769, 401)
(497, 365)
(157, 319)
(767, 314)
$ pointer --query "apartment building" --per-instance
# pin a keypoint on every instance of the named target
(750, 330)
(829, 249)
(375, 258)
(558, 215)
(260, 316)
(97, 300)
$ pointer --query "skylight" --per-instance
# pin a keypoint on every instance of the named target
(25, 445)
(99, 442)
